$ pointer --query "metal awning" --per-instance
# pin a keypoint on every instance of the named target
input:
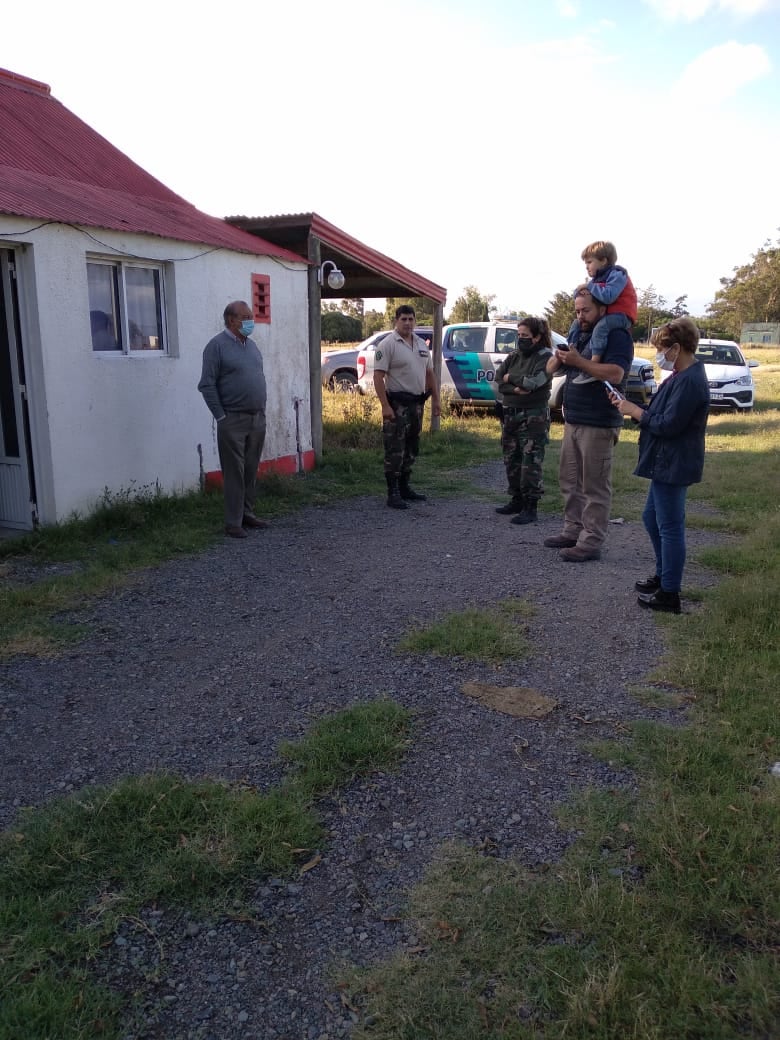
(367, 272)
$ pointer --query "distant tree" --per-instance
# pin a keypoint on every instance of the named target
(651, 311)
(559, 312)
(751, 294)
(471, 306)
(680, 309)
(373, 321)
(340, 328)
(423, 309)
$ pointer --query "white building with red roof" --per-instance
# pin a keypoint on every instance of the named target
(110, 286)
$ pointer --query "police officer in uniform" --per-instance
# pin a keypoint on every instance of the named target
(403, 380)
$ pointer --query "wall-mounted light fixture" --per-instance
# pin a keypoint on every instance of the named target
(335, 277)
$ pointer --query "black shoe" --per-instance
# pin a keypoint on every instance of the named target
(669, 602)
(515, 505)
(650, 585)
(528, 515)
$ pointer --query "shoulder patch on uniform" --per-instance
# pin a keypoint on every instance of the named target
(423, 353)
(378, 355)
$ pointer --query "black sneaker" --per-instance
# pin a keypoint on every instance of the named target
(514, 506)
(649, 585)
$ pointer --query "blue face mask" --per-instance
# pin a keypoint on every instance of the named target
(247, 327)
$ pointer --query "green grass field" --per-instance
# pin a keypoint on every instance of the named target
(670, 934)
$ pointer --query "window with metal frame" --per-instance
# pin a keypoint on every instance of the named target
(126, 306)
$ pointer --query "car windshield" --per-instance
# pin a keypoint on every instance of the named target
(720, 355)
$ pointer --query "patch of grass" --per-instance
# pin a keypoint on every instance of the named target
(660, 696)
(661, 920)
(489, 634)
(69, 873)
(354, 741)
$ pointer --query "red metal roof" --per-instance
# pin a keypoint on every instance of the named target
(55, 167)
(368, 272)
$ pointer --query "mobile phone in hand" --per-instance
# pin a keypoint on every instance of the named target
(612, 390)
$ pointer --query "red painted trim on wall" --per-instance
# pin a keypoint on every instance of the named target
(287, 466)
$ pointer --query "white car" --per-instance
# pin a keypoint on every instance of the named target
(339, 368)
(728, 374)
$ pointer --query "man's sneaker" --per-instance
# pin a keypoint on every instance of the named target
(649, 585)
(559, 541)
(661, 600)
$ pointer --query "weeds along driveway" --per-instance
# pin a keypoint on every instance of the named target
(204, 666)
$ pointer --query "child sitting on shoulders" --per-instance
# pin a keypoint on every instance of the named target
(608, 284)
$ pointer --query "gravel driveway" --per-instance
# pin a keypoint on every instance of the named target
(204, 665)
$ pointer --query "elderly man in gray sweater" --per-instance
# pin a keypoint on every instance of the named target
(233, 386)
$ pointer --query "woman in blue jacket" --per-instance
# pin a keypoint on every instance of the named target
(671, 455)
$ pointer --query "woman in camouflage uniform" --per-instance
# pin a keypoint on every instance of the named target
(523, 388)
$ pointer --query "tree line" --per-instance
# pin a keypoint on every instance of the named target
(750, 294)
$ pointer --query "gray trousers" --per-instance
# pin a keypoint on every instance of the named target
(240, 439)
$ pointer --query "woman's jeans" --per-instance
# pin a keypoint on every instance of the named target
(664, 520)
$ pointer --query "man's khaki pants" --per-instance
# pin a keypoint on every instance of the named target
(585, 477)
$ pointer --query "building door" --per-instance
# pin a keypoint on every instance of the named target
(17, 489)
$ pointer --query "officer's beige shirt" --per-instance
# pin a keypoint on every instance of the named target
(405, 365)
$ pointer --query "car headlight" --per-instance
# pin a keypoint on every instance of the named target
(746, 380)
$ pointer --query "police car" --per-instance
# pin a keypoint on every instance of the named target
(471, 353)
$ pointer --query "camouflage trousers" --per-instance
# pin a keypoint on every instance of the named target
(401, 437)
(524, 436)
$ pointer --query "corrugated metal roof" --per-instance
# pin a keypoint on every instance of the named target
(368, 272)
(55, 167)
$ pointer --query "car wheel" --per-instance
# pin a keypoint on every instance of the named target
(344, 381)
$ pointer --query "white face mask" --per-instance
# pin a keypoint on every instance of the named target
(663, 363)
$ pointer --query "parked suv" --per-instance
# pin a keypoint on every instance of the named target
(471, 353)
(339, 369)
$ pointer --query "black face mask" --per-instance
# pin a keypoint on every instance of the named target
(525, 344)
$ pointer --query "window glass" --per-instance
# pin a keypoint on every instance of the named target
(506, 340)
(103, 306)
(466, 341)
(126, 308)
(144, 316)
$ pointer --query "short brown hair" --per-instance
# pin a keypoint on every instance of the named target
(681, 331)
(600, 251)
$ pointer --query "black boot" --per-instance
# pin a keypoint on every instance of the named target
(661, 600)
(515, 505)
(528, 515)
(394, 499)
(409, 494)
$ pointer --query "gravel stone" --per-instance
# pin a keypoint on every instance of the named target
(204, 665)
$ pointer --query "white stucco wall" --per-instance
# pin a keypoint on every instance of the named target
(130, 421)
